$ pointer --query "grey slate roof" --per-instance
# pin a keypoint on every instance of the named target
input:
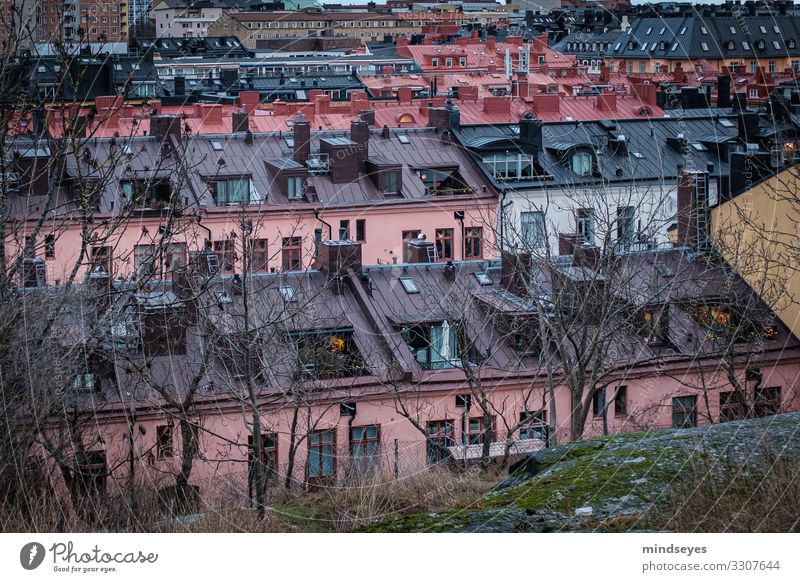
(693, 36)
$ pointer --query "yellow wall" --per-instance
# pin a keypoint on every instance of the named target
(757, 233)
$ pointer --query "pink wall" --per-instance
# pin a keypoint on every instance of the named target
(221, 468)
(385, 224)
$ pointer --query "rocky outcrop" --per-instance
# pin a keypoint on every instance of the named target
(614, 483)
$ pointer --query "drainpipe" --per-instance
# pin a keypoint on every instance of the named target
(330, 228)
(207, 244)
(503, 207)
(460, 217)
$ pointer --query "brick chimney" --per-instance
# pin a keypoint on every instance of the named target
(342, 157)
(586, 255)
(240, 122)
(515, 269)
(404, 95)
(607, 102)
(605, 74)
(567, 243)
(646, 92)
(491, 44)
(249, 99)
(302, 141)
(547, 103)
(162, 126)
(359, 134)
(335, 257)
(497, 105)
(420, 250)
(444, 118)
(723, 91)
(693, 211)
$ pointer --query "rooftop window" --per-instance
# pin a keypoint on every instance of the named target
(216, 145)
(484, 278)
(146, 194)
(434, 345)
(324, 355)
(409, 285)
(230, 191)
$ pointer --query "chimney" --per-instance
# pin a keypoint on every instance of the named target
(359, 134)
(567, 243)
(99, 284)
(547, 103)
(336, 257)
(739, 101)
(302, 141)
(421, 250)
(748, 126)
(515, 269)
(368, 116)
(530, 131)
(607, 102)
(180, 86)
(404, 95)
(444, 118)
(693, 212)
(450, 271)
(723, 91)
(605, 74)
(491, 44)
(81, 126)
(162, 126)
(240, 122)
(586, 255)
(646, 92)
(249, 100)
(343, 157)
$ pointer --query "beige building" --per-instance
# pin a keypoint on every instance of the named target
(249, 27)
(757, 233)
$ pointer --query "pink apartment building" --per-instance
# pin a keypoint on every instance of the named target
(393, 368)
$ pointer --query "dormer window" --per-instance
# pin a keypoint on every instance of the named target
(389, 182)
(146, 194)
(510, 166)
(443, 181)
(323, 355)
(294, 187)
(654, 325)
(434, 345)
(230, 191)
(582, 163)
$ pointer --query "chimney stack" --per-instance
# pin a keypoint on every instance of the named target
(240, 122)
(723, 91)
(359, 134)
(421, 250)
(163, 126)
(336, 257)
(343, 157)
(302, 141)
(693, 211)
(516, 272)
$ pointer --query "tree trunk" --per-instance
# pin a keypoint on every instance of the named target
(188, 447)
(292, 449)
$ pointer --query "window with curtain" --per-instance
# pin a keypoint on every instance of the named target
(533, 229)
(231, 191)
(582, 163)
(435, 346)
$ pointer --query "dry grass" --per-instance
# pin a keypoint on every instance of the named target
(761, 498)
(372, 497)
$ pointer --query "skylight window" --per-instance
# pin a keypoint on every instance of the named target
(683, 30)
(409, 285)
(403, 138)
(289, 141)
(776, 44)
(704, 30)
(745, 45)
(698, 147)
(644, 46)
(662, 31)
(733, 29)
(704, 46)
(288, 294)
(637, 155)
(763, 30)
(484, 278)
(649, 30)
(776, 29)
(674, 47)
(616, 48)
(127, 149)
(726, 123)
(216, 145)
